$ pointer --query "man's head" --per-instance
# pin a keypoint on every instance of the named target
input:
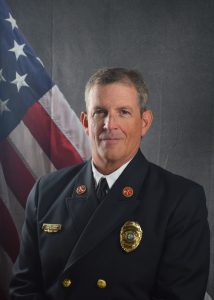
(116, 117)
(111, 75)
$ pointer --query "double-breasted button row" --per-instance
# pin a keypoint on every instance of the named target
(67, 282)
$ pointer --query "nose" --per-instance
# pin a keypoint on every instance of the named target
(110, 122)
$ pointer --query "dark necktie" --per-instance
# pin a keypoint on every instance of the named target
(102, 188)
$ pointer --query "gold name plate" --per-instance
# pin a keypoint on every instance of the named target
(51, 228)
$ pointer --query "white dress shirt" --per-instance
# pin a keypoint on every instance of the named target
(111, 178)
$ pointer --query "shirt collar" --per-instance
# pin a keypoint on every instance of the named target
(111, 178)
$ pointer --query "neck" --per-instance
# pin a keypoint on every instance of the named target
(107, 167)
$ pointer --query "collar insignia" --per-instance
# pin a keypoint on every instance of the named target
(128, 191)
(81, 189)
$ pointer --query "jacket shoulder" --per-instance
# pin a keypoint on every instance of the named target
(52, 185)
(177, 194)
(64, 175)
(172, 180)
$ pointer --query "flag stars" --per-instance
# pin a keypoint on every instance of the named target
(3, 106)
(1, 76)
(12, 21)
(18, 50)
(20, 81)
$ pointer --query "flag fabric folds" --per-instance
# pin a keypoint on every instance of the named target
(39, 133)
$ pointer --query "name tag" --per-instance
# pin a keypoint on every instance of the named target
(51, 228)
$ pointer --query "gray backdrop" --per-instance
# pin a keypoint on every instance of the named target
(171, 42)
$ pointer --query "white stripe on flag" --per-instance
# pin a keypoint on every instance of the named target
(54, 104)
(30, 151)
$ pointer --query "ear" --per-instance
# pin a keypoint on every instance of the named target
(147, 119)
(84, 120)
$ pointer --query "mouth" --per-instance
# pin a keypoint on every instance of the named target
(111, 138)
(110, 141)
(105, 136)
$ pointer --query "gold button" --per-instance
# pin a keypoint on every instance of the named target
(66, 282)
(101, 283)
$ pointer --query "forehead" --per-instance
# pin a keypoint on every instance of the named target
(113, 93)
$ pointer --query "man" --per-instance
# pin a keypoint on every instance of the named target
(144, 235)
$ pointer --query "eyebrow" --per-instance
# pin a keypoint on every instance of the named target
(117, 108)
(125, 107)
(99, 107)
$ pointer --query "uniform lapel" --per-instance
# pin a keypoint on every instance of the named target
(82, 204)
(113, 209)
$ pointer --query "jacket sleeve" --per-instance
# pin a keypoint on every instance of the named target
(27, 283)
(184, 265)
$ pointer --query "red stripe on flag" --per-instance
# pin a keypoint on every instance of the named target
(50, 138)
(18, 177)
(9, 239)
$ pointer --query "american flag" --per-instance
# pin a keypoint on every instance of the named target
(39, 133)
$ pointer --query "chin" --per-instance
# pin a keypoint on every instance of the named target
(112, 156)
(109, 154)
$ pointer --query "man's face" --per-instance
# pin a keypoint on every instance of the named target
(114, 124)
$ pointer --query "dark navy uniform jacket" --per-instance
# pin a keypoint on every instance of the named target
(84, 259)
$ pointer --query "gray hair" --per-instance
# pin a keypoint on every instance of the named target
(111, 75)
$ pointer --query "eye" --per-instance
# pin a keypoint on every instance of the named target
(99, 112)
(125, 112)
